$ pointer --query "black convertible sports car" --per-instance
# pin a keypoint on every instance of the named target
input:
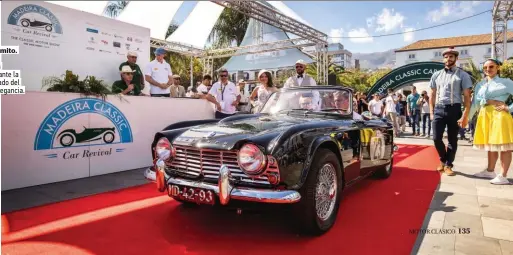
(303, 148)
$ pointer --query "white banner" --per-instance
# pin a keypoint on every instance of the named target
(50, 136)
(53, 39)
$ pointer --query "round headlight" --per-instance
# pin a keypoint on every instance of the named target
(251, 159)
(163, 149)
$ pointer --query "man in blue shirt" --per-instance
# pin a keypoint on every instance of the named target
(413, 110)
(447, 86)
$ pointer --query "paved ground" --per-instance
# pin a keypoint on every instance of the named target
(470, 204)
(18, 199)
(460, 202)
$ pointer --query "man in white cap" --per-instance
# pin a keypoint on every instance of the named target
(447, 86)
(177, 90)
(301, 78)
(159, 75)
(138, 79)
(126, 85)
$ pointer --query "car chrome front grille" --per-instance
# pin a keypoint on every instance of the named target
(206, 162)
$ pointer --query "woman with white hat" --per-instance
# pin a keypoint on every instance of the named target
(263, 91)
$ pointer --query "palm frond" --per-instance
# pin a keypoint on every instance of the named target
(114, 8)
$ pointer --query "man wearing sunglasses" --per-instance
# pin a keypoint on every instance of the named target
(126, 85)
(224, 95)
(137, 79)
(301, 78)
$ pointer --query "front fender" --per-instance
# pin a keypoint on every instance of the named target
(296, 156)
(324, 142)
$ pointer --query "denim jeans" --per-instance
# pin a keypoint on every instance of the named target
(415, 121)
(426, 118)
(446, 117)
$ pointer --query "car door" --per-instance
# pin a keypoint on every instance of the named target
(349, 138)
(375, 145)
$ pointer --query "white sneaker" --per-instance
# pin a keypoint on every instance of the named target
(485, 174)
(500, 180)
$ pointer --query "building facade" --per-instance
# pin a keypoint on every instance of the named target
(473, 48)
(339, 55)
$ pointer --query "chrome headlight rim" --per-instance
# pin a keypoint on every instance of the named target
(260, 166)
(164, 150)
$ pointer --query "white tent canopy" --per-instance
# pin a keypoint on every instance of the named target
(198, 25)
(157, 15)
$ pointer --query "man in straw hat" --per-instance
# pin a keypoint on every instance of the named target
(447, 86)
(126, 85)
(301, 78)
(138, 79)
(177, 90)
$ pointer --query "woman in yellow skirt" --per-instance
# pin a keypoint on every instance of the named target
(494, 126)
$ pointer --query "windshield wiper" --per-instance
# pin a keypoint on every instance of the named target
(295, 109)
(332, 109)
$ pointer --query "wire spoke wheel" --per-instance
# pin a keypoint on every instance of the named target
(326, 191)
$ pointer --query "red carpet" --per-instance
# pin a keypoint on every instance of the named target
(374, 218)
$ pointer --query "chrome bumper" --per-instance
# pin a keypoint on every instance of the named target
(150, 175)
(225, 191)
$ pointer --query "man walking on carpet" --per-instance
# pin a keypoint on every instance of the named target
(447, 86)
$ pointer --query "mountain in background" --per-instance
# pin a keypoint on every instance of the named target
(376, 59)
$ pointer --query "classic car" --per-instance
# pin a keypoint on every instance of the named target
(70, 136)
(27, 22)
(303, 148)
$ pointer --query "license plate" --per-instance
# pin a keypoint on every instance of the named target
(196, 195)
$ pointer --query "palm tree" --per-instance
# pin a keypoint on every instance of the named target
(475, 74)
(171, 29)
(114, 8)
(229, 28)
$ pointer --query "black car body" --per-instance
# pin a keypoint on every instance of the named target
(70, 136)
(276, 157)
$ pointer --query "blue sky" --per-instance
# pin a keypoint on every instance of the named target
(376, 18)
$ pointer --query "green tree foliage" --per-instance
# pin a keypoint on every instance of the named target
(376, 75)
(229, 28)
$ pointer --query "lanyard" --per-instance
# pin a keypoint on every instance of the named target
(222, 91)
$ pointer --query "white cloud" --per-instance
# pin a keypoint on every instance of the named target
(334, 33)
(370, 22)
(452, 10)
(360, 32)
(408, 35)
(389, 20)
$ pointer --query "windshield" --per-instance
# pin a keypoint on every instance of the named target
(313, 100)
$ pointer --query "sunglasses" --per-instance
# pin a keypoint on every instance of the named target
(128, 73)
(223, 75)
(300, 67)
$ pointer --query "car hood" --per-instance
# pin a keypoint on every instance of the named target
(224, 135)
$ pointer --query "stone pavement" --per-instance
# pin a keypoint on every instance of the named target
(23, 198)
(462, 204)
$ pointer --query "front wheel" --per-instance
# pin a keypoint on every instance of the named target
(321, 194)
(25, 23)
(67, 140)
